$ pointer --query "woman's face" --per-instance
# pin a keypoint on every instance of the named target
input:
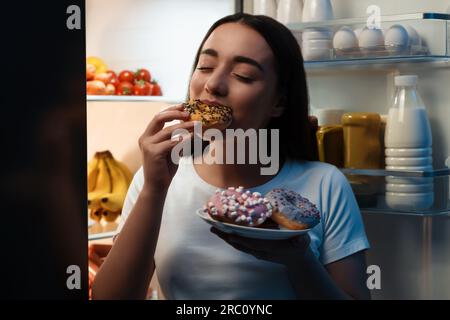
(236, 68)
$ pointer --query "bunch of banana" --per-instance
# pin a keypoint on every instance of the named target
(108, 181)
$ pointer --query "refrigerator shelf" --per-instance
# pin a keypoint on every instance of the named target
(113, 98)
(432, 28)
(363, 20)
(102, 230)
(376, 63)
(101, 235)
(397, 173)
(424, 193)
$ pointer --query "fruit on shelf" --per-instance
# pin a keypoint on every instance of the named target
(110, 216)
(156, 89)
(100, 66)
(142, 88)
(112, 73)
(95, 87)
(125, 88)
(96, 214)
(114, 80)
(108, 182)
(126, 83)
(90, 71)
(103, 77)
(113, 201)
(143, 74)
(110, 89)
(126, 76)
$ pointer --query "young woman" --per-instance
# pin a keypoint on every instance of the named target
(254, 65)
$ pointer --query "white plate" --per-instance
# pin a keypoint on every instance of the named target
(250, 232)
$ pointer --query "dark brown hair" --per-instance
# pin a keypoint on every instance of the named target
(294, 126)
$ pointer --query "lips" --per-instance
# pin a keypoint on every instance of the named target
(212, 102)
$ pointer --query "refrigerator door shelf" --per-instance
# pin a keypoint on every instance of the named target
(427, 41)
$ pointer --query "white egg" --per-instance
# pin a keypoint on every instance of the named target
(396, 39)
(345, 39)
(414, 37)
(371, 39)
(358, 31)
(396, 35)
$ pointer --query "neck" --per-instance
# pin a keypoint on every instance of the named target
(234, 175)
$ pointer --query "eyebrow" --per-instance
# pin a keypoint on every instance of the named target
(237, 59)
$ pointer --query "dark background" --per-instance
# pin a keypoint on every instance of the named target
(43, 151)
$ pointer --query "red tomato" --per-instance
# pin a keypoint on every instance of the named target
(142, 88)
(112, 73)
(114, 81)
(124, 89)
(143, 74)
(156, 89)
(127, 76)
(113, 78)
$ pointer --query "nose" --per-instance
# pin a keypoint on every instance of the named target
(217, 84)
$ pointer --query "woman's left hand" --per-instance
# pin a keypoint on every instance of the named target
(284, 252)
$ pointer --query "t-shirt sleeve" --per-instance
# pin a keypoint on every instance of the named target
(344, 232)
(132, 195)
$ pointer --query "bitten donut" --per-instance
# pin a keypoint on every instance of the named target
(211, 115)
(238, 207)
(292, 211)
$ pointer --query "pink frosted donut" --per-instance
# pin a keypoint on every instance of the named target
(238, 207)
(292, 211)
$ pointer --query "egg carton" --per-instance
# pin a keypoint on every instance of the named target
(380, 52)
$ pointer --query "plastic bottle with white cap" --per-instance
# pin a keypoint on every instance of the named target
(408, 145)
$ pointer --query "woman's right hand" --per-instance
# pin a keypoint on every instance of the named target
(156, 144)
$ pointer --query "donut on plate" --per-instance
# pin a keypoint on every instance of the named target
(236, 206)
(292, 211)
(211, 115)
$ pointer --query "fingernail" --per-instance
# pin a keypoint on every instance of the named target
(185, 113)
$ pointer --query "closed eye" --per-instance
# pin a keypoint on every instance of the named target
(204, 68)
(243, 78)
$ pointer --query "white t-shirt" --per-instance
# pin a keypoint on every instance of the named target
(193, 263)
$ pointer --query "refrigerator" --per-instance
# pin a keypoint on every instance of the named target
(410, 248)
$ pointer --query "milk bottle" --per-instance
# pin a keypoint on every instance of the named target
(408, 145)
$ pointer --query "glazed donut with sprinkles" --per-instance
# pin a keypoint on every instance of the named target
(211, 115)
(292, 211)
